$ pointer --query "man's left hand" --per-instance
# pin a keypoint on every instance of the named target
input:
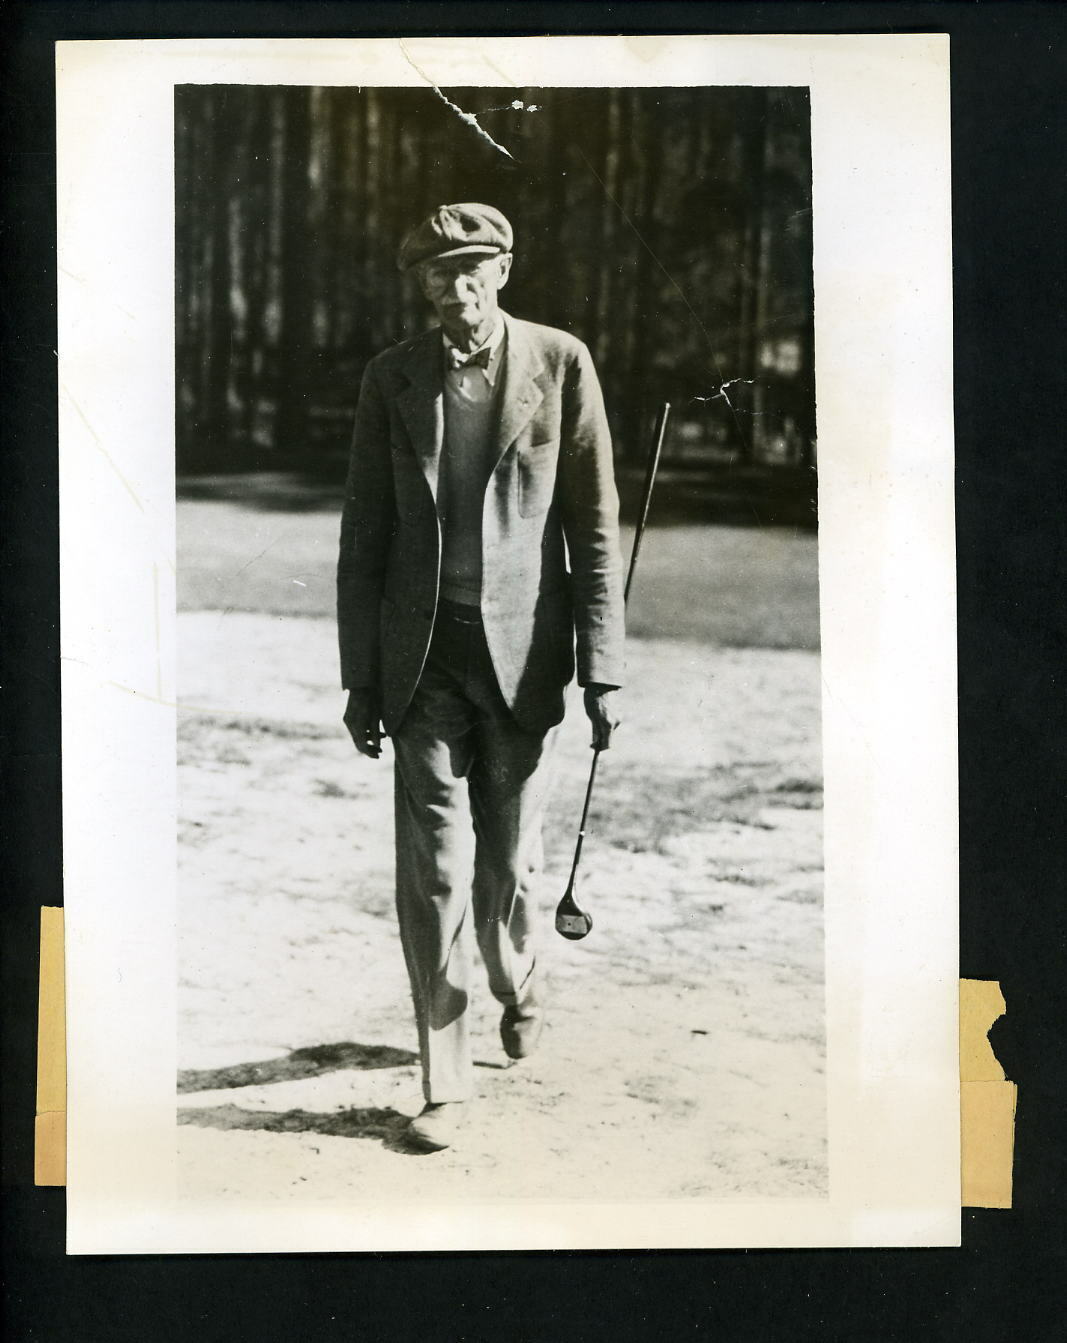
(603, 713)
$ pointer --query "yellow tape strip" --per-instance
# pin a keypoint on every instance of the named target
(987, 1101)
(50, 1127)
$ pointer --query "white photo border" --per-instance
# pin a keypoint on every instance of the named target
(883, 336)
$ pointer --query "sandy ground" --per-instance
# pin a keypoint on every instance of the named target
(684, 1051)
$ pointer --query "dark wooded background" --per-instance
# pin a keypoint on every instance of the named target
(669, 228)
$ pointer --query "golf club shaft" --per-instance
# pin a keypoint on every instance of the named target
(585, 816)
(642, 518)
(646, 496)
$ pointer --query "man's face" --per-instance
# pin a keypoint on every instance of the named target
(463, 289)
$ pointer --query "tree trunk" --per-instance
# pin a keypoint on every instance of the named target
(294, 346)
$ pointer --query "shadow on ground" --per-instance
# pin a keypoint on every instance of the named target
(382, 1125)
(272, 491)
(310, 1062)
(386, 1126)
(740, 494)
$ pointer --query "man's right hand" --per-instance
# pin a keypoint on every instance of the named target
(363, 720)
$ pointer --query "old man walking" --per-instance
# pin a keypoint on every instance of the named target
(479, 562)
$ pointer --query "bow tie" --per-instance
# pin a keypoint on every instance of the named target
(479, 359)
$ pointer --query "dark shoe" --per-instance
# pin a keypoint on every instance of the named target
(438, 1125)
(520, 1029)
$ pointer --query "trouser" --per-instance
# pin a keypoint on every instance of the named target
(465, 771)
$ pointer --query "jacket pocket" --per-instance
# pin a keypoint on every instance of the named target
(537, 476)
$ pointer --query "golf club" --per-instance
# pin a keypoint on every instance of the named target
(572, 921)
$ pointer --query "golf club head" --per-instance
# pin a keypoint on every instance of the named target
(572, 921)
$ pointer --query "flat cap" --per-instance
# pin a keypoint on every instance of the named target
(453, 229)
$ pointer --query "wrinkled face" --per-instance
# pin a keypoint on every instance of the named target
(463, 289)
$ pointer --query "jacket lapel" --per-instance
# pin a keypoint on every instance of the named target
(421, 403)
(521, 394)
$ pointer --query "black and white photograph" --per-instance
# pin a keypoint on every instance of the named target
(370, 960)
(524, 518)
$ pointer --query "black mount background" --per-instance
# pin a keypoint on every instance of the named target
(1008, 73)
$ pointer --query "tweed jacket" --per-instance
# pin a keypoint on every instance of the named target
(551, 566)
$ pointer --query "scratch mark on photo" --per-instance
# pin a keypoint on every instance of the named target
(516, 106)
(103, 451)
(497, 70)
(723, 395)
(467, 117)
